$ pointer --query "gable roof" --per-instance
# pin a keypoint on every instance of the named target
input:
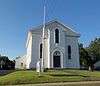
(39, 28)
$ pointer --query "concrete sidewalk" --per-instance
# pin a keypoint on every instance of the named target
(83, 83)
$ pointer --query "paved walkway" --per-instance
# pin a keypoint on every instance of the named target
(61, 84)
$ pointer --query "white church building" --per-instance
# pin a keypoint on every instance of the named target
(60, 47)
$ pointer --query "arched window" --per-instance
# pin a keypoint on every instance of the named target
(41, 50)
(69, 52)
(56, 36)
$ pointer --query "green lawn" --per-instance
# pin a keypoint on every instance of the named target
(31, 77)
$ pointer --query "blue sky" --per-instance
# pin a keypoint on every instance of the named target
(18, 16)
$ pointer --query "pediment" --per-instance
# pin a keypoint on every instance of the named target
(69, 31)
(54, 24)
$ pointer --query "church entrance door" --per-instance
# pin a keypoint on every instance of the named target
(56, 59)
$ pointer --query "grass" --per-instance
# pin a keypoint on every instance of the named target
(31, 77)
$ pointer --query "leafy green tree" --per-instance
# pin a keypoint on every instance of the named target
(84, 56)
(5, 63)
(91, 54)
(94, 50)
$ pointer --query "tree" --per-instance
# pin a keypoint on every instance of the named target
(5, 63)
(94, 50)
(84, 56)
(91, 54)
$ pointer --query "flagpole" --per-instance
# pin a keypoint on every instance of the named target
(43, 36)
(44, 14)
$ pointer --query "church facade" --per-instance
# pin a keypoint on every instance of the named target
(60, 47)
